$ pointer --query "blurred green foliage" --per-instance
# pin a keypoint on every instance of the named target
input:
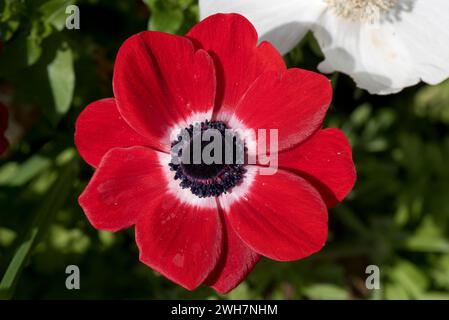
(397, 217)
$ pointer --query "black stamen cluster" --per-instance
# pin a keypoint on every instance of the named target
(207, 180)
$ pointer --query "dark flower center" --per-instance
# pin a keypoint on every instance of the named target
(208, 159)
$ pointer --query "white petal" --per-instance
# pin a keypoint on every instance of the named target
(425, 32)
(387, 56)
(283, 22)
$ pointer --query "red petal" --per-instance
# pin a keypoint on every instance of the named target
(236, 262)
(180, 241)
(232, 41)
(326, 161)
(294, 102)
(126, 184)
(160, 80)
(281, 217)
(100, 127)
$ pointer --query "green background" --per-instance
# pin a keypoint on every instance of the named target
(397, 216)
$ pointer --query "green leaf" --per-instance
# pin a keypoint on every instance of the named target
(6, 237)
(52, 202)
(15, 175)
(53, 12)
(39, 31)
(440, 271)
(429, 237)
(325, 292)
(431, 102)
(61, 77)
(435, 296)
(68, 240)
(166, 16)
(395, 292)
(361, 115)
(427, 244)
(34, 50)
(242, 292)
(10, 14)
(408, 276)
(314, 46)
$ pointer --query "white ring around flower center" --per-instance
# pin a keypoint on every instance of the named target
(227, 199)
(361, 10)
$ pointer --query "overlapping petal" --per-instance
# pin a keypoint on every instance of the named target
(100, 127)
(281, 216)
(232, 41)
(325, 160)
(160, 80)
(180, 241)
(293, 102)
(236, 262)
(127, 184)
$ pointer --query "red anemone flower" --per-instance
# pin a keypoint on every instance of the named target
(218, 76)
(3, 126)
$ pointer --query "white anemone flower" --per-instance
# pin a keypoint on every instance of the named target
(384, 45)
